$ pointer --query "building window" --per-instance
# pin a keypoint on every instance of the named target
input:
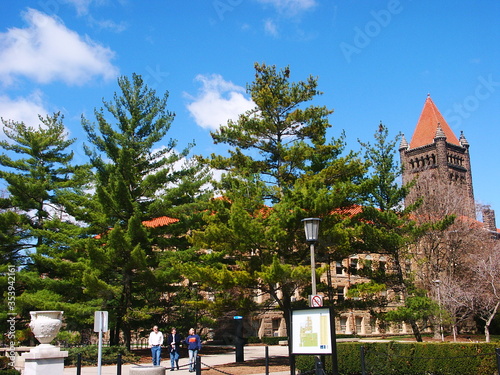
(359, 325)
(399, 327)
(276, 327)
(340, 293)
(382, 264)
(373, 324)
(338, 268)
(367, 262)
(408, 266)
(353, 266)
(343, 324)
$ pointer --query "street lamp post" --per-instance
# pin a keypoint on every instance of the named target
(311, 227)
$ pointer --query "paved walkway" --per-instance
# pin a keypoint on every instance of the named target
(250, 353)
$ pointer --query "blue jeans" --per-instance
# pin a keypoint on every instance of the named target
(156, 354)
(192, 358)
(174, 358)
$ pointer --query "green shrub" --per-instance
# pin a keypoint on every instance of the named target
(10, 372)
(4, 362)
(67, 338)
(409, 359)
(89, 355)
(274, 340)
(6, 368)
(253, 340)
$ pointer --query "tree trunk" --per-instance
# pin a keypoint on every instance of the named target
(437, 331)
(127, 336)
(488, 322)
(416, 331)
(115, 337)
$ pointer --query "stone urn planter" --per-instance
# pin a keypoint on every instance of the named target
(45, 325)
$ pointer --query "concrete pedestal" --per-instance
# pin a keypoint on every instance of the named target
(45, 359)
(147, 370)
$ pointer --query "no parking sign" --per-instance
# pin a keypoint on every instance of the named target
(316, 301)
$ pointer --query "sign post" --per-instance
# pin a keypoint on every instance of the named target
(313, 333)
(239, 341)
(100, 325)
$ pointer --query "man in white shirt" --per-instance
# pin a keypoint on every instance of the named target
(155, 343)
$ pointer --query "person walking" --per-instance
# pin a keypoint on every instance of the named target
(155, 343)
(193, 343)
(174, 341)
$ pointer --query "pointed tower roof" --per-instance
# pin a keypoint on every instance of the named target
(403, 145)
(427, 126)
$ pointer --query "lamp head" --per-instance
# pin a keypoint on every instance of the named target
(311, 228)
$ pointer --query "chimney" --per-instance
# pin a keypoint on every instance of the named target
(489, 219)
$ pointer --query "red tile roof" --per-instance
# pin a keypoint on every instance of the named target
(425, 131)
(159, 222)
(349, 211)
(153, 223)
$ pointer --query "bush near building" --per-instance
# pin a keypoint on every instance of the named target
(410, 359)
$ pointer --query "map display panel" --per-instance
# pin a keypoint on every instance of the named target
(311, 331)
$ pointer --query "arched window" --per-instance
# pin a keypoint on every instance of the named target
(382, 264)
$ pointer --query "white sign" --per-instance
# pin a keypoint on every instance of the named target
(100, 321)
(316, 301)
(100, 325)
(311, 331)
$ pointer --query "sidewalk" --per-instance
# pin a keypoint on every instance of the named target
(250, 353)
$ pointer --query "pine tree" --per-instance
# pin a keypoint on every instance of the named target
(136, 180)
(40, 225)
(280, 169)
(387, 226)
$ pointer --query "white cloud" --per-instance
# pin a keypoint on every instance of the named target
(290, 7)
(270, 27)
(108, 25)
(46, 51)
(217, 102)
(23, 109)
(81, 6)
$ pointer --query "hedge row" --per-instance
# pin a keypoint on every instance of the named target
(410, 359)
(89, 355)
(5, 367)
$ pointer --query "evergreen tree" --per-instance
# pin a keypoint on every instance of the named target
(386, 226)
(136, 180)
(280, 169)
(13, 235)
(40, 226)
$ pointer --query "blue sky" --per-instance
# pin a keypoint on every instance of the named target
(375, 61)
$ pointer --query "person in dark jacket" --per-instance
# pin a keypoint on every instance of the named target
(174, 341)
(193, 343)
